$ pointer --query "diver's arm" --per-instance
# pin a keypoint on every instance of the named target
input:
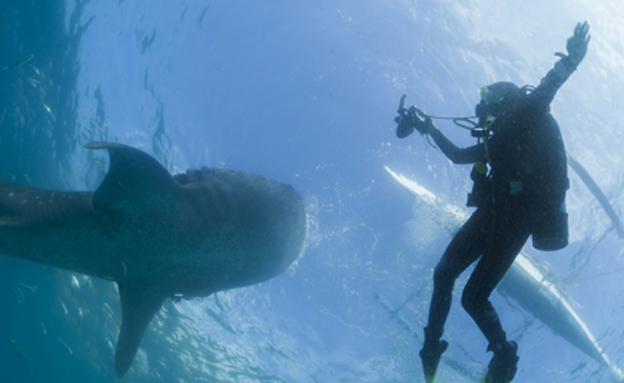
(545, 92)
(576, 46)
(468, 155)
(425, 126)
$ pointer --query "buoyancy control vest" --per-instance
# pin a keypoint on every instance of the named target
(525, 152)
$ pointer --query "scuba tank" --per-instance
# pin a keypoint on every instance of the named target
(550, 221)
(550, 229)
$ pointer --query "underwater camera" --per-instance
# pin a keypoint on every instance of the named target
(409, 119)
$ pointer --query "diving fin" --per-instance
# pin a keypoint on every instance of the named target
(504, 363)
(430, 356)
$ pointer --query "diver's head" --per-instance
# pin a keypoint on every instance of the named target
(492, 98)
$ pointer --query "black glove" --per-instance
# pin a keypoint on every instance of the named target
(577, 44)
(576, 47)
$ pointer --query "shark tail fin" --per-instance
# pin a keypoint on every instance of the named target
(138, 307)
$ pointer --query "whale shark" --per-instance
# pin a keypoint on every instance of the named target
(156, 235)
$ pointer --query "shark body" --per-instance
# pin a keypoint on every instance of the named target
(157, 235)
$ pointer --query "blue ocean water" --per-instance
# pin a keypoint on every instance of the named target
(304, 93)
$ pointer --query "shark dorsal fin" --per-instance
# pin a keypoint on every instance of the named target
(134, 180)
(138, 307)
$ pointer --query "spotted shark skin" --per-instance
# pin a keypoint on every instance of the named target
(157, 235)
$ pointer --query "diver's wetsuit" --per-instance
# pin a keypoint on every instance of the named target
(526, 149)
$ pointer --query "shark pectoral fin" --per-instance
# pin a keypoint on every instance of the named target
(134, 181)
(138, 307)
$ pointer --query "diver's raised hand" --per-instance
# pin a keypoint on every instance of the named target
(577, 44)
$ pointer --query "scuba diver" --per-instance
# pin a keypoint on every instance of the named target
(520, 182)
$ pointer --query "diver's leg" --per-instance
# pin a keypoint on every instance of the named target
(467, 245)
(510, 234)
(509, 237)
